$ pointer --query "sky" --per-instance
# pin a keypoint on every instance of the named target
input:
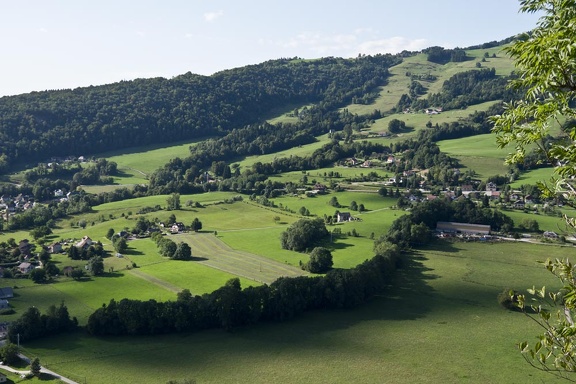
(51, 44)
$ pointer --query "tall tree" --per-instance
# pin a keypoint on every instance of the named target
(183, 252)
(320, 260)
(96, 265)
(196, 225)
(35, 367)
(173, 202)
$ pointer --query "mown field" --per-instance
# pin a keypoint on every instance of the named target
(440, 323)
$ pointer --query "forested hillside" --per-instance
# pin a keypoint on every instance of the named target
(84, 121)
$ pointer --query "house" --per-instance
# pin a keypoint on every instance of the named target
(454, 227)
(25, 267)
(352, 161)
(177, 227)
(55, 247)
(320, 188)
(58, 193)
(493, 194)
(84, 243)
(25, 247)
(390, 160)
(6, 293)
(519, 204)
(366, 164)
(491, 187)
(343, 216)
(4, 304)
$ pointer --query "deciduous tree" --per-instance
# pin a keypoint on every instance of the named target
(545, 63)
(320, 261)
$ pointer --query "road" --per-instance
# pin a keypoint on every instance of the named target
(42, 370)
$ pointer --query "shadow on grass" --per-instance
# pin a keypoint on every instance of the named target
(440, 245)
(121, 173)
(47, 377)
(111, 274)
(339, 245)
(198, 258)
(133, 252)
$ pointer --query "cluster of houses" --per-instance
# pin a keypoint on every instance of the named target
(10, 205)
(177, 227)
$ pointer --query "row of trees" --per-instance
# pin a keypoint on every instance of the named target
(230, 306)
(169, 248)
(33, 324)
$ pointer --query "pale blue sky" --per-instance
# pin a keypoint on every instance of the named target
(49, 44)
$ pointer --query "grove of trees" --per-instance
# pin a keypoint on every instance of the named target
(303, 234)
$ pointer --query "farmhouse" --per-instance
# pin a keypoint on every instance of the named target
(177, 227)
(343, 216)
(454, 227)
(55, 247)
(84, 243)
(25, 267)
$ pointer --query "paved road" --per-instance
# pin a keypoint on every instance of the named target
(42, 370)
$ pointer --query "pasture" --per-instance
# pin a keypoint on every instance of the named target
(398, 83)
(478, 153)
(440, 322)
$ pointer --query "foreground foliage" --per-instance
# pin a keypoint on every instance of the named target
(546, 64)
(554, 311)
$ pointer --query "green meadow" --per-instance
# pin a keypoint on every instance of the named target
(398, 83)
(440, 322)
(478, 153)
(533, 176)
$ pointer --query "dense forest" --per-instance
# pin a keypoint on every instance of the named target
(82, 121)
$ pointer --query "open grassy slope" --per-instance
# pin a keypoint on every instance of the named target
(440, 324)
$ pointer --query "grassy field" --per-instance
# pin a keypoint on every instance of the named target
(479, 153)
(533, 176)
(398, 83)
(436, 325)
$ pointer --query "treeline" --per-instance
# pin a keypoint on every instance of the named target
(188, 175)
(230, 306)
(33, 325)
(441, 55)
(461, 90)
(40, 125)
(476, 123)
